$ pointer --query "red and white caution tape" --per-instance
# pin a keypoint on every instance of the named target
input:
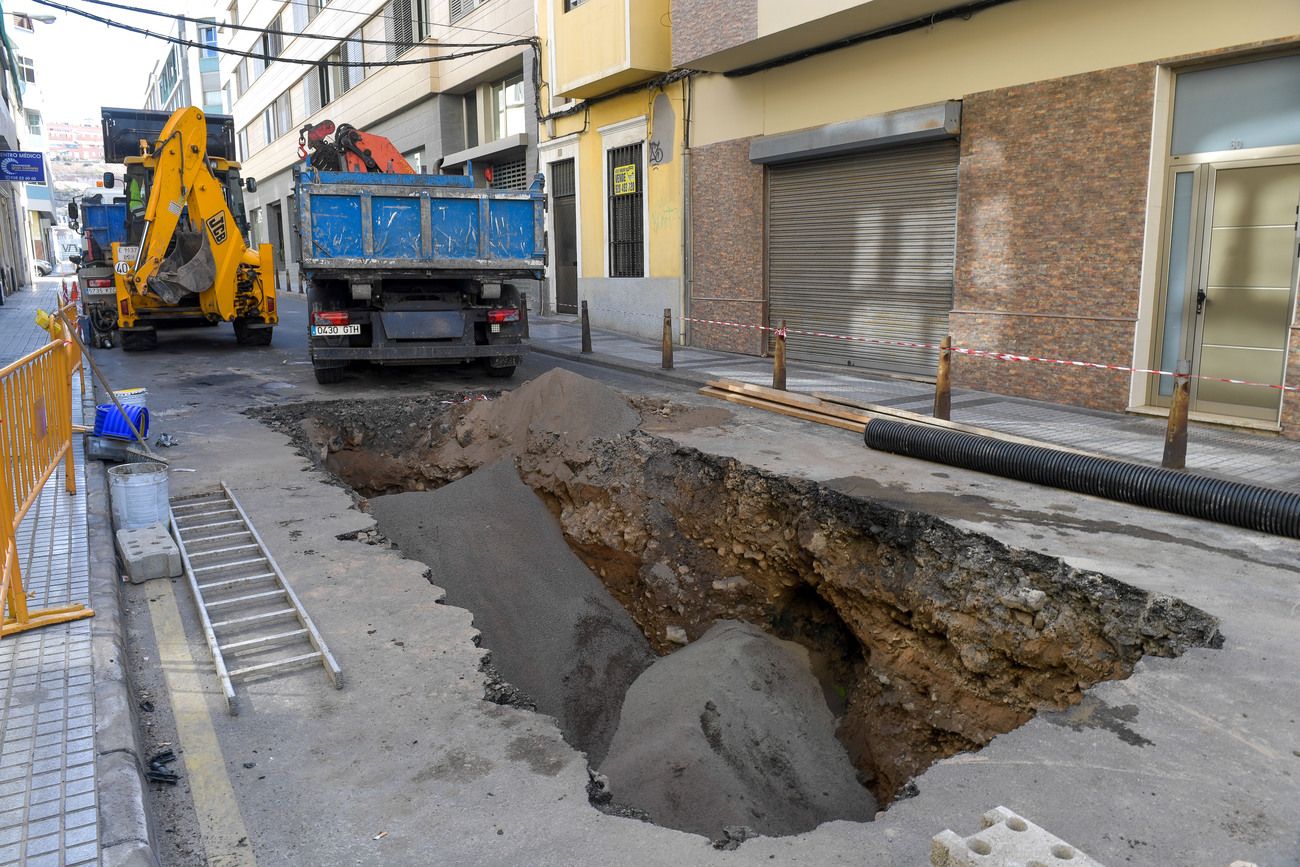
(974, 353)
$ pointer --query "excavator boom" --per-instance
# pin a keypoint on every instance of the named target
(191, 244)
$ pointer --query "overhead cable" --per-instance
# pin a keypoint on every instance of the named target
(209, 22)
(253, 55)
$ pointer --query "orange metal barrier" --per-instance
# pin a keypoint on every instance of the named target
(35, 436)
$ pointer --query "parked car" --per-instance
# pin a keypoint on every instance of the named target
(43, 268)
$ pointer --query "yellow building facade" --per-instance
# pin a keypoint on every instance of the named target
(611, 146)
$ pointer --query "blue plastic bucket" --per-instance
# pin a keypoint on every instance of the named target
(109, 422)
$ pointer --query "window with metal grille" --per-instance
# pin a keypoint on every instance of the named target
(562, 180)
(626, 226)
(510, 176)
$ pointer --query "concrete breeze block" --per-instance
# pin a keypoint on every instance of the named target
(1007, 840)
(148, 552)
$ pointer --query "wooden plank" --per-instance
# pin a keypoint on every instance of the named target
(918, 418)
(843, 408)
(758, 403)
(791, 399)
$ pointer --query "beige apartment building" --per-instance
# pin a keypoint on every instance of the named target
(474, 110)
(1096, 180)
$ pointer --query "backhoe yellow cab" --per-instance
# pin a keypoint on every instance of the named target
(186, 259)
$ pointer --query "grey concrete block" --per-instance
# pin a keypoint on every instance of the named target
(148, 552)
(1007, 840)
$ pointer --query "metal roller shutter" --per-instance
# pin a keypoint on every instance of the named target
(864, 246)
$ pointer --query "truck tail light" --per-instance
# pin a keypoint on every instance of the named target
(330, 317)
(503, 314)
(101, 283)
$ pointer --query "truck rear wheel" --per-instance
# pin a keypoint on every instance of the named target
(139, 341)
(501, 372)
(247, 335)
(328, 375)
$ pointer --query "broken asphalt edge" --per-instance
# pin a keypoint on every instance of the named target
(125, 836)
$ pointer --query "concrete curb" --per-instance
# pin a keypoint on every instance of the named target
(125, 838)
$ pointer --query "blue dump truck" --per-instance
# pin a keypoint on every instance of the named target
(101, 218)
(416, 269)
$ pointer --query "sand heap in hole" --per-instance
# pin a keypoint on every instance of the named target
(733, 730)
(553, 629)
(573, 406)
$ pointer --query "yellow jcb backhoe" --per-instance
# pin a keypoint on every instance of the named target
(192, 263)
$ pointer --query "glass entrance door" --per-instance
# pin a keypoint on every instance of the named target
(1230, 284)
(1247, 289)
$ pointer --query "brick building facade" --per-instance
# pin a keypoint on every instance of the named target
(1066, 224)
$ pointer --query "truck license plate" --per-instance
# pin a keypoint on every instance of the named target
(100, 290)
(334, 330)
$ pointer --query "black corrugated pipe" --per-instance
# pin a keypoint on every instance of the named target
(1265, 509)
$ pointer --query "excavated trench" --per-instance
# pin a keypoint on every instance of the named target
(927, 640)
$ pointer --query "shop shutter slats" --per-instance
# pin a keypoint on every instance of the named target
(864, 246)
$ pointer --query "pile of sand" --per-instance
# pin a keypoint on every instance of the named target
(553, 629)
(733, 730)
(559, 401)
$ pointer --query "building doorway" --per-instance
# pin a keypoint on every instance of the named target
(564, 216)
(1232, 246)
(276, 233)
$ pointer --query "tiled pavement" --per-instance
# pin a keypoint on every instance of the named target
(1255, 458)
(48, 812)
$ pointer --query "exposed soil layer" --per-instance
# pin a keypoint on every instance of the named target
(935, 639)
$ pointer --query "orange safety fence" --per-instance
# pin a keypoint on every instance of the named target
(35, 437)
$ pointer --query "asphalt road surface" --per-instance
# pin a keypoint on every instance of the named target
(406, 764)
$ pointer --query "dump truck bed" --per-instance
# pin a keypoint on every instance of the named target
(417, 223)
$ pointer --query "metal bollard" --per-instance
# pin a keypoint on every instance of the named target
(668, 339)
(586, 329)
(943, 382)
(778, 360)
(1175, 457)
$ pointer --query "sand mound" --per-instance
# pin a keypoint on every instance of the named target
(559, 401)
(733, 730)
(554, 630)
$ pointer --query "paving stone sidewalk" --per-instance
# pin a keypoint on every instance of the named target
(48, 813)
(1247, 456)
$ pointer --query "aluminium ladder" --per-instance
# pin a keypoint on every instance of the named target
(242, 596)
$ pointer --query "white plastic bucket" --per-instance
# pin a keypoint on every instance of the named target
(138, 493)
(132, 396)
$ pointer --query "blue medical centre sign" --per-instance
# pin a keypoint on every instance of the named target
(22, 166)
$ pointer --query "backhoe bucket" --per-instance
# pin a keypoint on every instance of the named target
(188, 269)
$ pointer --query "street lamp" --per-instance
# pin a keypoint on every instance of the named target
(44, 19)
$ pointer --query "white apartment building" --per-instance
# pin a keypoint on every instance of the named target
(440, 115)
(15, 261)
(187, 75)
(30, 53)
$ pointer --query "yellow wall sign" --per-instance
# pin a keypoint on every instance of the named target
(624, 180)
